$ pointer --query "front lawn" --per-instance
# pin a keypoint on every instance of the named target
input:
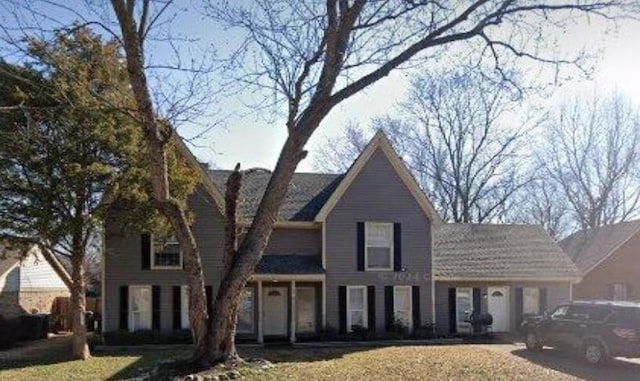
(461, 362)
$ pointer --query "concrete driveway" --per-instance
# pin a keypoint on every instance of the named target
(618, 370)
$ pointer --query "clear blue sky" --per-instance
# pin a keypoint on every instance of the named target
(255, 141)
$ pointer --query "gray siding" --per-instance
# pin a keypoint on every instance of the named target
(557, 293)
(122, 264)
(377, 194)
(295, 242)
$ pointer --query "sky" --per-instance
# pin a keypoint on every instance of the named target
(254, 140)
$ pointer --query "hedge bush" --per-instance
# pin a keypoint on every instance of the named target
(10, 331)
(34, 327)
(147, 337)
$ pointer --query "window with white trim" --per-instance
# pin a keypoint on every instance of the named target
(166, 253)
(246, 312)
(356, 307)
(184, 307)
(378, 246)
(139, 308)
(402, 305)
(531, 301)
(305, 309)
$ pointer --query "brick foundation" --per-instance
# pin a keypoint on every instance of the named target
(40, 301)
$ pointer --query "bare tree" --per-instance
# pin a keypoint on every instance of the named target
(311, 57)
(542, 202)
(459, 134)
(339, 152)
(592, 153)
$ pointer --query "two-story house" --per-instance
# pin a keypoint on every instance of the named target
(364, 248)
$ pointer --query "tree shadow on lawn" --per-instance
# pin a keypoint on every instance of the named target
(570, 364)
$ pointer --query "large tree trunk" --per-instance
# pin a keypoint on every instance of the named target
(79, 345)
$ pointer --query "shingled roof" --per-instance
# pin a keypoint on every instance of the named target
(485, 251)
(307, 193)
(587, 248)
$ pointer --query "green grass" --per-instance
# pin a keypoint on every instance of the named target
(393, 363)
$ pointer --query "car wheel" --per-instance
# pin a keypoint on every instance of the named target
(594, 353)
(532, 341)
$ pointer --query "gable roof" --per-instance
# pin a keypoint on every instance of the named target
(380, 141)
(11, 257)
(589, 248)
(498, 252)
(306, 194)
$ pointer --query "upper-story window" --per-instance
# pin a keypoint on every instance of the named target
(166, 253)
(378, 246)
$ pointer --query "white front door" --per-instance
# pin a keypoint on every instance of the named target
(275, 311)
(498, 305)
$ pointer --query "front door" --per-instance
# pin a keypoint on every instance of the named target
(275, 311)
(498, 305)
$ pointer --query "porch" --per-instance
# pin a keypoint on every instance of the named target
(285, 300)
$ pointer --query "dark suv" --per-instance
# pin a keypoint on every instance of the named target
(596, 330)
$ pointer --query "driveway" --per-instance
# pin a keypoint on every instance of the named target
(618, 370)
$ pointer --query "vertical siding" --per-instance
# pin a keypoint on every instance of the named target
(122, 263)
(377, 194)
(557, 293)
(37, 273)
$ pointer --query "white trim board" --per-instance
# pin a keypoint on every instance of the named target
(380, 141)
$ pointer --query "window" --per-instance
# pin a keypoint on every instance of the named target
(356, 306)
(184, 307)
(139, 308)
(245, 312)
(305, 309)
(402, 305)
(578, 312)
(619, 291)
(378, 246)
(166, 253)
(530, 301)
(627, 317)
(464, 298)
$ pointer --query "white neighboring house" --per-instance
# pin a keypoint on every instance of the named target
(30, 283)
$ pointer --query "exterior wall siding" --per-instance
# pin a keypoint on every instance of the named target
(10, 281)
(377, 194)
(557, 293)
(122, 263)
(37, 273)
(285, 241)
(622, 267)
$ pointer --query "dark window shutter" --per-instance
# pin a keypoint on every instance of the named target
(388, 307)
(208, 291)
(397, 247)
(145, 250)
(415, 307)
(477, 303)
(371, 308)
(177, 307)
(453, 316)
(519, 306)
(342, 308)
(543, 300)
(155, 308)
(124, 307)
(360, 248)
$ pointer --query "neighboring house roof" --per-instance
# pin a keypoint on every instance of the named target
(588, 248)
(11, 257)
(380, 141)
(290, 264)
(307, 193)
(498, 252)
